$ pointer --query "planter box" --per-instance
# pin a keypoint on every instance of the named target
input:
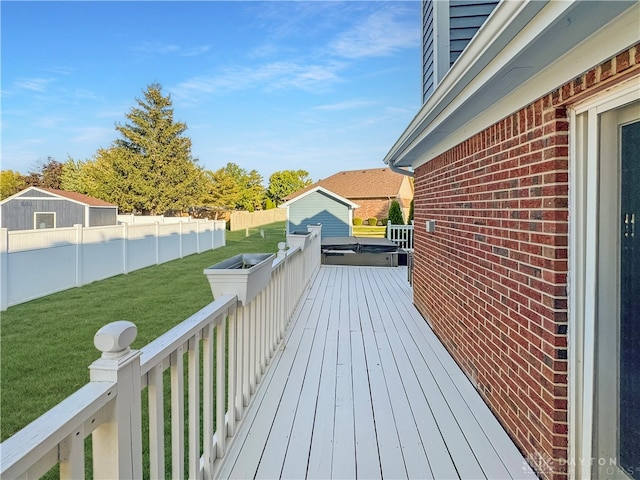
(244, 275)
(298, 239)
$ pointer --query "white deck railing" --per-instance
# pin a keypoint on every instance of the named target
(402, 235)
(217, 389)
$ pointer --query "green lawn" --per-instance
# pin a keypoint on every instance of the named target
(47, 344)
(369, 231)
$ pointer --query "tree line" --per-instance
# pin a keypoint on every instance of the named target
(149, 170)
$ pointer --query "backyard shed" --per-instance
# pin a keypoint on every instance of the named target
(319, 205)
(35, 208)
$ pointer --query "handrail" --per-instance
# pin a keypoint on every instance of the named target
(28, 451)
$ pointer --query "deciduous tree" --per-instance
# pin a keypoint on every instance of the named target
(284, 182)
(232, 187)
(10, 183)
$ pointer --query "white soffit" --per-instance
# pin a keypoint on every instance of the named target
(523, 51)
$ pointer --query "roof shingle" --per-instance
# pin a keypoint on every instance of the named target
(371, 183)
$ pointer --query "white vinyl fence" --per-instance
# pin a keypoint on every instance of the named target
(35, 263)
(204, 410)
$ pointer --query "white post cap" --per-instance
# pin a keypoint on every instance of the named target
(115, 338)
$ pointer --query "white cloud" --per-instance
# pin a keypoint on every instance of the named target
(346, 105)
(32, 84)
(158, 48)
(381, 34)
(93, 135)
(268, 76)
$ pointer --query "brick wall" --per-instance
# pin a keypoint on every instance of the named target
(492, 279)
(378, 208)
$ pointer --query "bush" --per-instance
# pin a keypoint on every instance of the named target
(373, 221)
(357, 221)
(383, 221)
(410, 212)
(395, 214)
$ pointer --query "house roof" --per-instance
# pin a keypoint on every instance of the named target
(370, 183)
(311, 189)
(79, 197)
(73, 196)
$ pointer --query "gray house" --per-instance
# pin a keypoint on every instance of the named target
(320, 205)
(35, 208)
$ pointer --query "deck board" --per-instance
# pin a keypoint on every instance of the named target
(364, 389)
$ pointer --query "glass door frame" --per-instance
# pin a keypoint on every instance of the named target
(593, 284)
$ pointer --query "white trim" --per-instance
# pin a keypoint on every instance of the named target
(517, 58)
(441, 41)
(35, 219)
(584, 206)
(51, 196)
(334, 195)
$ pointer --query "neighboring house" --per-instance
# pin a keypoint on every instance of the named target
(527, 156)
(372, 189)
(319, 205)
(35, 208)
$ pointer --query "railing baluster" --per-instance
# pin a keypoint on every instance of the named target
(220, 387)
(194, 406)
(156, 422)
(72, 457)
(232, 377)
(208, 398)
(252, 347)
(246, 348)
(177, 414)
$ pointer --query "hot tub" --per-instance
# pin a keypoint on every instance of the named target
(359, 251)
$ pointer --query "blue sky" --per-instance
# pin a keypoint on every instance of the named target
(313, 85)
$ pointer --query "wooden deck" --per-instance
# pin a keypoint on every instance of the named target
(362, 388)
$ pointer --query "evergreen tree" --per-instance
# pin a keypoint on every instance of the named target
(150, 169)
(395, 213)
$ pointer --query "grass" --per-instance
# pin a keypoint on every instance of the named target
(47, 344)
(369, 231)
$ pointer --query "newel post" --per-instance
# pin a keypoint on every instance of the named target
(117, 443)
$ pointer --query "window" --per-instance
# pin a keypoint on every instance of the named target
(44, 220)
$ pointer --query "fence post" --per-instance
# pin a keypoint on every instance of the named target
(79, 248)
(197, 236)
(389, 226)
(125, 241)
(4, 269)
(157, 243)
(117, 443)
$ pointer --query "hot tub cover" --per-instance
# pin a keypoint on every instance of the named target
(359, 244)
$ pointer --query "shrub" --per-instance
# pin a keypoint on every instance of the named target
(357, 221)
(373, 221)
(395, 214)
(383, 221)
